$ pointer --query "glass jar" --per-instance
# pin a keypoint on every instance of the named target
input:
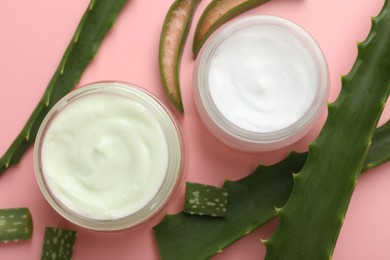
(218, 119)
(175, 163)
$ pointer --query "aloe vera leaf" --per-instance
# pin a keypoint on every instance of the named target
(217, 13)
(173, 37)
(252, 202)
(15, 224)
(310, 222)
(206, 200)
(94, 25)
(379, 151)
(58, 243)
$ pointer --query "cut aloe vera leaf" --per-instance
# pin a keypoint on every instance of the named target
(252, 202)
(206, 200)
(15, 224)
(173, 37)
(94, 25)
(216, 14)
(58, 243)
(310, 222)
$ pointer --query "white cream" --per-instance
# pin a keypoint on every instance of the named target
(104, 156)
(263, 78)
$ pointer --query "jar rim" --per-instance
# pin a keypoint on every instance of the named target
(176, 156)
(215, 115)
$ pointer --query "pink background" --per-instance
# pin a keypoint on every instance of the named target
(34, 37)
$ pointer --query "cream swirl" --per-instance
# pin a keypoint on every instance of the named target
(104, 156)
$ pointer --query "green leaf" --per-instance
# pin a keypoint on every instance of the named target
(310, 222)
(173, 37)
(58, 243)
(206, 200)
(15, 224)
(252, 202)
(379, 151)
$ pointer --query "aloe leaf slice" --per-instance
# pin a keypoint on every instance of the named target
(15, 224)
(58, 243)
(217, 13)
(94, 25)
(252, 202)
(173, 37)
(310, 222)
(206, 200)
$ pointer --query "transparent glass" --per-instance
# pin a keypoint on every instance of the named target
(176, 156)
(234, 135)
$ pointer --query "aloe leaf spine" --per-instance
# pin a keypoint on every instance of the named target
(252, 202)
(173, 37)
(310, 222)
(217, 13)
(94, 25)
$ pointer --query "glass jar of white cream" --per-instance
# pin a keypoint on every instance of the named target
(260, 83)
(109, 156)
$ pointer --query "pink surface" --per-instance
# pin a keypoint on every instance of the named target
(34, 37)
